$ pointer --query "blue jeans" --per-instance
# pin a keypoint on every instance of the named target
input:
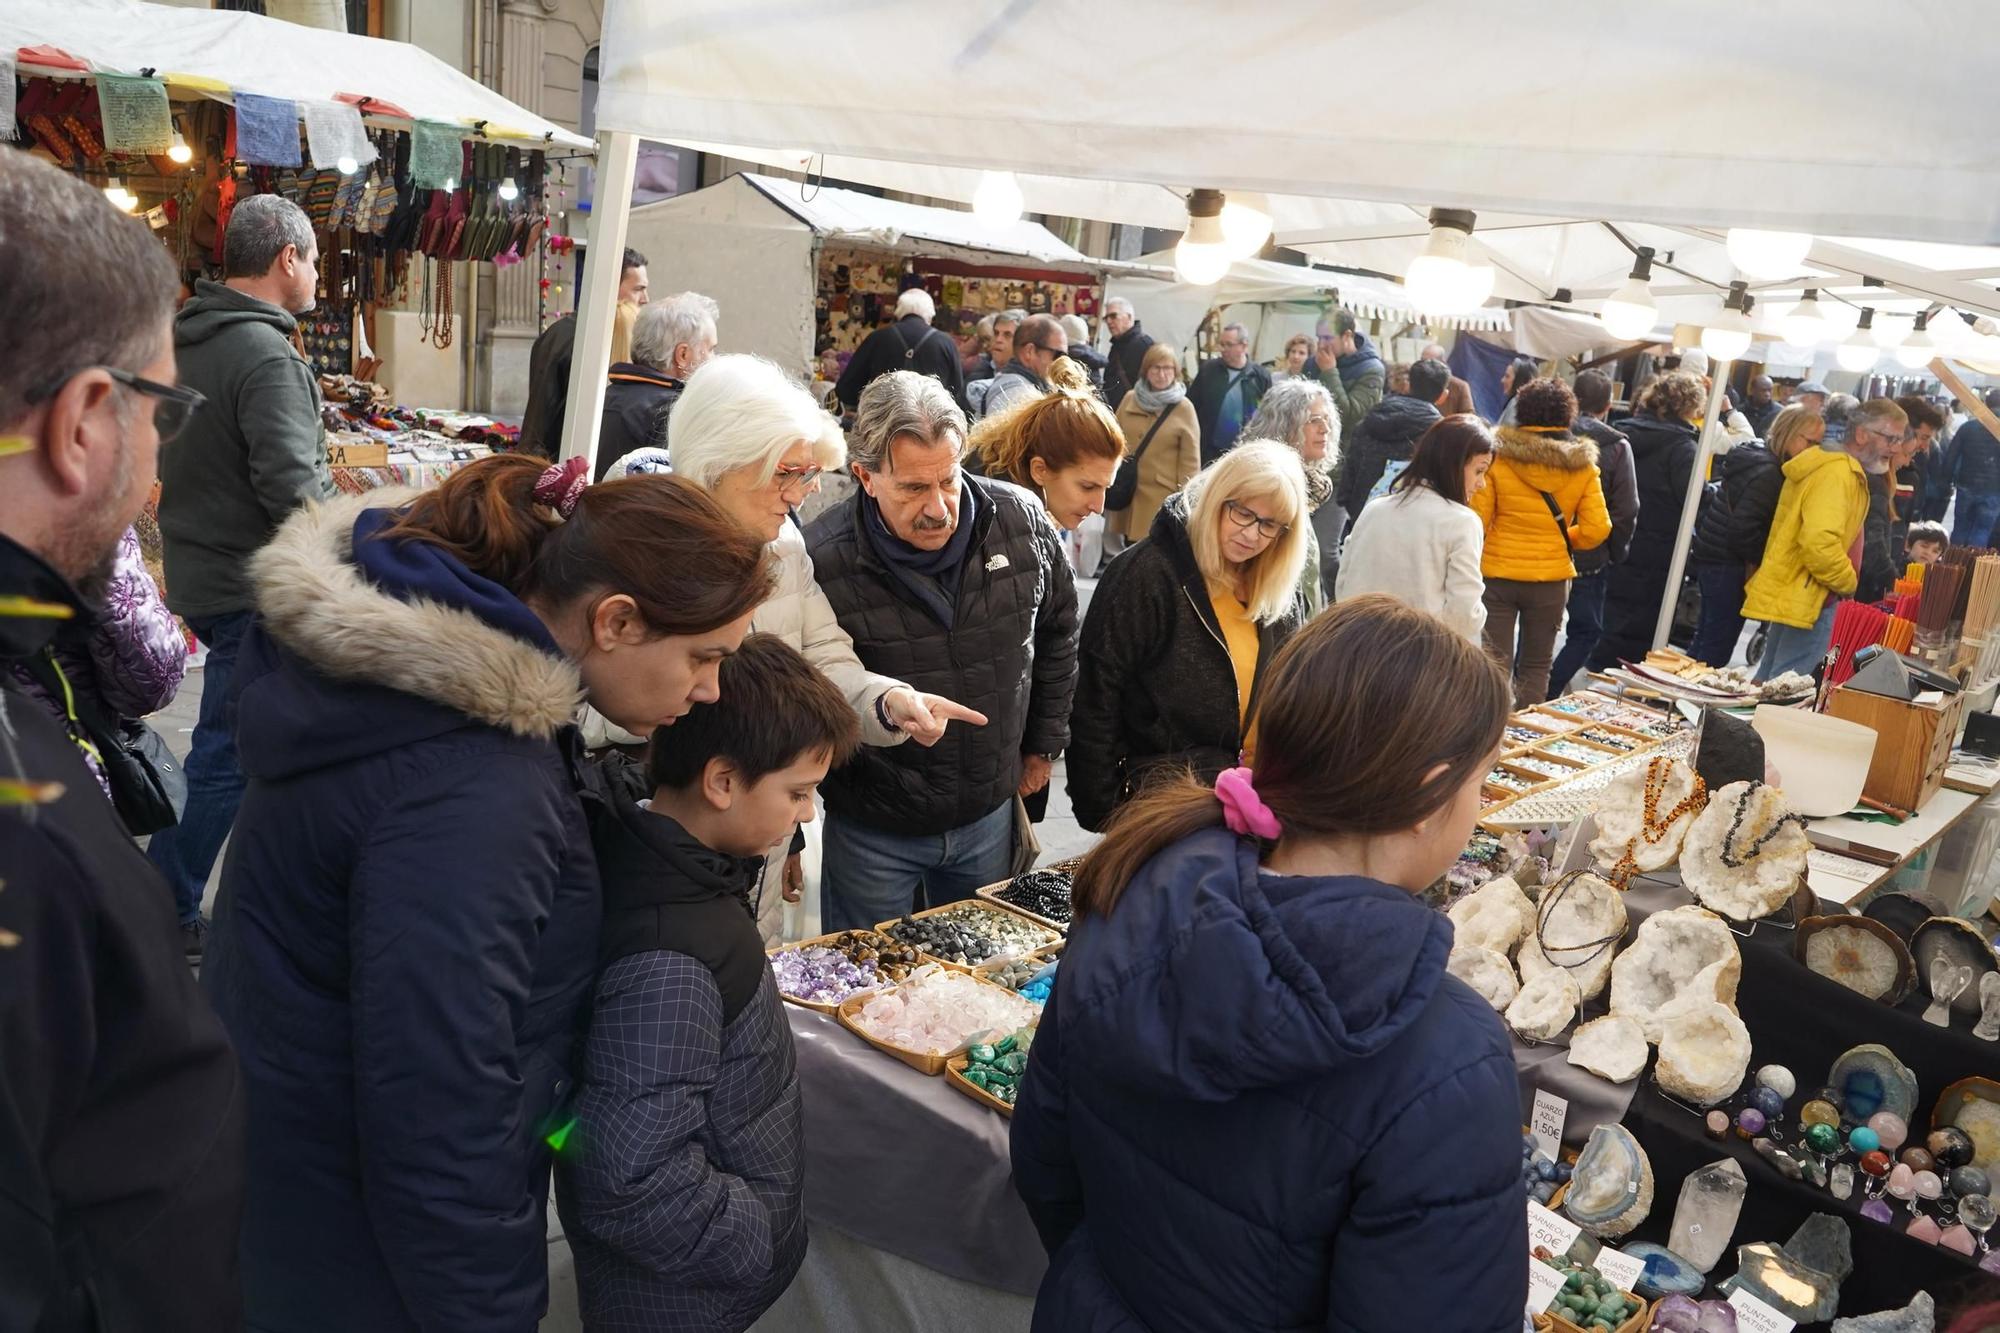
(1721, 623)
(1581, 631)
(868, 876)
(1972, 522)
(185, 853)
(1787, 648)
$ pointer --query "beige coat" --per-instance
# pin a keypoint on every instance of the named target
(1172, 458)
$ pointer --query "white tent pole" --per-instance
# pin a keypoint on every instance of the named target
(1711, 431)
(597, 295)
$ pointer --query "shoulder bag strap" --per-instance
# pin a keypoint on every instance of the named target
(1151, 431)
(1562, 526)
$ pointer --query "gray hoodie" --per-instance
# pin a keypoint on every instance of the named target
(250, 456)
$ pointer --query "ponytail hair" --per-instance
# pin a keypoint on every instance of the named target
(1353, 715)
(660, 540)
(1062, 427)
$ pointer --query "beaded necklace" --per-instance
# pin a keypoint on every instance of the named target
(1651, 827)
(1736, 861)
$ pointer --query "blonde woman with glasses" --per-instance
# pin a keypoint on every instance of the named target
(1182, 626)
(758, 443)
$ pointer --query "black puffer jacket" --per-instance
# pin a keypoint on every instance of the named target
(1879, 572)
(637, 404)
(1662, 459)
(1123, 368)
(1737, 521)
(1156, 687)
(1011, 655)
(1621, 495)
(1387, 434)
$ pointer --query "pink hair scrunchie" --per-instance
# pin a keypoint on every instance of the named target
(561, 483)
(1242, 809)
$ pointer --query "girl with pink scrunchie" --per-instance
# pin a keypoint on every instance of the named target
(1257, 1098)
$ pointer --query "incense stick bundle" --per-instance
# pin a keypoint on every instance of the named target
(1899, 634)
(1940, 597)
(1856, 625)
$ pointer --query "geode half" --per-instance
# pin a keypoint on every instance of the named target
(1545, 1006)
(1485, 971)
(1494, 916)
(1621, 816)
(1679, 958)
(1704, 1053)
(1577, 926)
(1860, 953)
(1611, 1189)
(1612, 1047)
(1736, 817)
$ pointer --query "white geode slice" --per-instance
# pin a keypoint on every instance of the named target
(1704, 1053)
(1495, 916)
(1611, 1189)
(1612, 1047)
(1485, 971)
(1545, 1006)
(1621, 817)
(1677, 959)
(1577, 926)
(1764, 882)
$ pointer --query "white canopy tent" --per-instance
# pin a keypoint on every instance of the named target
(217, 52)
(1700, 137)
(752, 243)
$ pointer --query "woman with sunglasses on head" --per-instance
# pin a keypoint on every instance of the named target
(1181, 628)
(1257, 1098)
(757, 442)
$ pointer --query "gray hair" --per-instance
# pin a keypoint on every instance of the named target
(260, 228)
(1243, 329)
(985, 328)
(1077, 331)
(916, 301)
(84, 284)
(1015, 315)
(900, 403)
(1285, 408)
(1117, 305)
(743, 413)
(669, 322)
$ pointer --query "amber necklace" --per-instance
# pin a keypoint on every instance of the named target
(1651, 827)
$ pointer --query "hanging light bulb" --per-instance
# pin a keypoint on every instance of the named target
(1859, 353)
(121, 198)
(178, 150)
(510, 189)
(1768, 254)
(1804, 325)
(1440, 281)
(1629, 312)
(1917, 350)
(1203, 257)
(996, 201)
(1727, 336)
(1246, 223)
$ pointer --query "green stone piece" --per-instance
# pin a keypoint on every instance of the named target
(982, 1055)
(1821, 1137)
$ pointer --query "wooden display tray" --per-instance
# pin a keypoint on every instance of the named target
(1053, 936)
(954, 1074)
(820, 1006)
(1609, 752)
(921, 1061)
(991, 894)
(1045, 954)
(1554, 1322)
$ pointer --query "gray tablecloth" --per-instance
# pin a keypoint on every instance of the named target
(900, 1162)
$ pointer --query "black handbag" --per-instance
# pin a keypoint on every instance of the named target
(148, 785)
(1118, 495)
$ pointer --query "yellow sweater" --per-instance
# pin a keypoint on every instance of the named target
(1239, 633)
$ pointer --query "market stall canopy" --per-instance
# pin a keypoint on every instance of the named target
(1488, 113)
(218, 53)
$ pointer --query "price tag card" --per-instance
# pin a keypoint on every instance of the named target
(1547, 1123)
(1757, 1317)
(1544, 1283)
(1548, 1231)
(1618, 1268)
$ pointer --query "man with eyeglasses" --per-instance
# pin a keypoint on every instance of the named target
(1226, 391)
(1130, 342)
(1875, 431)
(1037, 343)
(121, 1114)
(253, 456)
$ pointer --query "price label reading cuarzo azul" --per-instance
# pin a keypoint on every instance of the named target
(1546, 1124)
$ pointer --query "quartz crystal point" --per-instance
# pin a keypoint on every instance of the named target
(1705, 1218)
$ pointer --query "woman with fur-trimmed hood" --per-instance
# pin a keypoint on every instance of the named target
(1543, 502)
(407, 929)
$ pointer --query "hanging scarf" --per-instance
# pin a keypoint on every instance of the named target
(930, 576)
(1157, 401)
(1319, 486)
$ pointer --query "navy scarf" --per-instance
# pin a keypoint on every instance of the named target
(930, 576)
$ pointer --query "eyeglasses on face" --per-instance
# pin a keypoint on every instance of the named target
(173, 404)
(796, 478)
(1243, 516)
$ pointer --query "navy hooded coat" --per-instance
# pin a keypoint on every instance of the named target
(406, 932)
(1258, 1102)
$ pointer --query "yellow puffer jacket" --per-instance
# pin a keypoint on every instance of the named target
(1522, 541)
(1820, 512)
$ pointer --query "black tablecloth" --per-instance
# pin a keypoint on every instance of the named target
(1804, 1022)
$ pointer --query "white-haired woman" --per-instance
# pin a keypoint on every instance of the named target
(1182, 626)
(757, 442)
(1300, 413)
